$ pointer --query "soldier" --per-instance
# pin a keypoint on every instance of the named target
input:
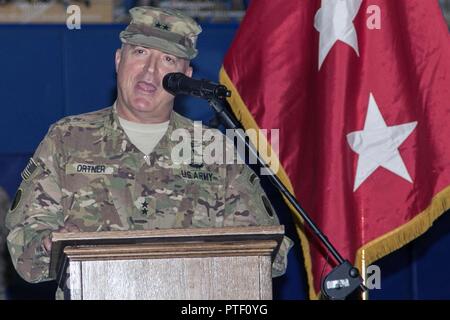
(4, 205)
(112, 169)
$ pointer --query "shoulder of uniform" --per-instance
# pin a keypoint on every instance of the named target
(86, 120)
(183, 122)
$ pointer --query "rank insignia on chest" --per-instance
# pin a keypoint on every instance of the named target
(145, 206)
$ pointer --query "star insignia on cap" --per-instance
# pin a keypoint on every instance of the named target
(162, 26)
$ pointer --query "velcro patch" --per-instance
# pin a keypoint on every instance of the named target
(29, 170)
(86, 168)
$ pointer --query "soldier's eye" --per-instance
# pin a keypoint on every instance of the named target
(169, 59)
(139, 51)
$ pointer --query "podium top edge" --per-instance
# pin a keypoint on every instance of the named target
(169, 233)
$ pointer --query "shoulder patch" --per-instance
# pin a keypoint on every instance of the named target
(16, 200)
(31, 167)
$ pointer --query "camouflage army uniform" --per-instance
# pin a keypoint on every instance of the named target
(4, 205)
(86, 172)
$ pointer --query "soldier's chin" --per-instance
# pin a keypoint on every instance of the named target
(143, 104)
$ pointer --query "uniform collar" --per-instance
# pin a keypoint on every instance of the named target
(118, 143)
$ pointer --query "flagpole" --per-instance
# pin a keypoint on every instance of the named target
(343, 279)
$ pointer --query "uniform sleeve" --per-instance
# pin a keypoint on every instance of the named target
(35, 212)
(246, 204)
(4, 205)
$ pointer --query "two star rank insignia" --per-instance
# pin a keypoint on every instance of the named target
(144, 207)
(161, 26)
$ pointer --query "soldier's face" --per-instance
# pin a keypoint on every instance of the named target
(140, 72)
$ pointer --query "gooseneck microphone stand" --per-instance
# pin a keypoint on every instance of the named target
(344, 279)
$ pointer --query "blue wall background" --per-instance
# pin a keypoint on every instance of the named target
(47, 72)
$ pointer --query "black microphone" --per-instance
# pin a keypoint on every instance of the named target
(179, 83)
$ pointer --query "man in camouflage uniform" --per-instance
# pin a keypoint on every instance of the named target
(87, 174)
(4, 205)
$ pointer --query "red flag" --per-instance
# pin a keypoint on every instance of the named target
(360, 91)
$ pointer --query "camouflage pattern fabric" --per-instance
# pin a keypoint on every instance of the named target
(4, 205)
(164, 29)
(87, 173)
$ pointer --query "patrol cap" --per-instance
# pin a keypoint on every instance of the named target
(164, 29)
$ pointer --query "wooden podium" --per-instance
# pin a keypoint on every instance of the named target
(199, 264)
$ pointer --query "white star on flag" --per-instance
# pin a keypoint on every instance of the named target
(334, 21)
(377, 145)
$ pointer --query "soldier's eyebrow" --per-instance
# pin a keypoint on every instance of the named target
(131, 47)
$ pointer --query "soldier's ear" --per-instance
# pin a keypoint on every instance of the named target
(118, 57)
(188, 71)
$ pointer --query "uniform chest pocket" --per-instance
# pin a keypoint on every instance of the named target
(88, 201)
(206, 193)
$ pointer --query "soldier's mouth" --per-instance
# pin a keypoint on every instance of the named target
(146, 87)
